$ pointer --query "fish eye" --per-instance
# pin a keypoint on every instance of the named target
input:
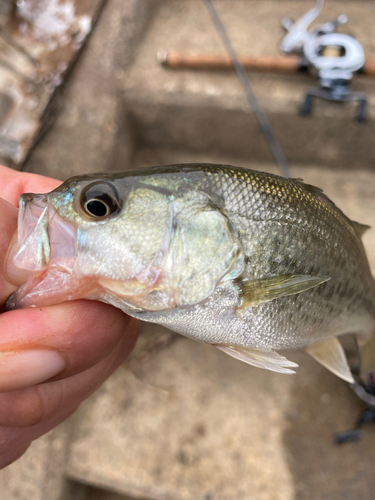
(100, 200)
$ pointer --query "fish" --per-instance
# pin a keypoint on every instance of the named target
(247, 261)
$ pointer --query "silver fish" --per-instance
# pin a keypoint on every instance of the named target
(247, 261)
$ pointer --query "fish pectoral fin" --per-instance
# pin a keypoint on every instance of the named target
(263, 290)
(332, 356)
(270, 360)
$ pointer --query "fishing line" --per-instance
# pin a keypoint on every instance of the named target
(255, 105)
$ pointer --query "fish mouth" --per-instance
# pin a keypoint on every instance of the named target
(47, 249)
(33, 242)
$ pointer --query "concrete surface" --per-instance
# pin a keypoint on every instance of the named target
(208, 111)
(40, 473)
(193, 423)
(89, 126)
(174, 429)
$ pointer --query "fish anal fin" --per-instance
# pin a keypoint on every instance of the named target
(332, 356)
(270, 360)
(367, 355)
(359, 228)
(263, 290)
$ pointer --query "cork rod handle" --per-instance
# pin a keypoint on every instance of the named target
(174, 59)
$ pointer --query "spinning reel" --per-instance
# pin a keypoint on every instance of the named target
(336, 56)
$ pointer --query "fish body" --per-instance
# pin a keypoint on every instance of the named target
(248, 261)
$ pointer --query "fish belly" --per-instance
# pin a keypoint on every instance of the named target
(285, 323)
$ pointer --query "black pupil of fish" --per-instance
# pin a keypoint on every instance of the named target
(97, 208)
(99, 204)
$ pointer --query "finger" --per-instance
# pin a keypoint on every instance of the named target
(14, 442)
(14, 183)
(10, 452)
(58, 341)
(32, 406)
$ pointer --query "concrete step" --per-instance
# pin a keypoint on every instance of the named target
(192, 423)
(203, 111)
(186, 422)
(89, 116)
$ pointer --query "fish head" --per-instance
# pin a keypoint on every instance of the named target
(130, 241)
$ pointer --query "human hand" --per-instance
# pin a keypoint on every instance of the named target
(51, 358)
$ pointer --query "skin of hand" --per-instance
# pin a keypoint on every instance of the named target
(51, 358)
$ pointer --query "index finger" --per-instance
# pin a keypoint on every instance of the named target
(14, 183)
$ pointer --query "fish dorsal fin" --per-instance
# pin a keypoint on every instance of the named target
(263, 290)
(298, 179)
(319, 193)
(359, 228)
(270, 360)
(331, 355)
(312, 189)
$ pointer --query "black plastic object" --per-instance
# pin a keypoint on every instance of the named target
(335, 90)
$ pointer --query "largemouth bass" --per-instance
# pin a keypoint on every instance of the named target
(247, 261)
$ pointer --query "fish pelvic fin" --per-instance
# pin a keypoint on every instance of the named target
(270, 360)
(332, 356)
(258, 291)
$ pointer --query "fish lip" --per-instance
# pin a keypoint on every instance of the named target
(45, 239)
(29, 205)
(49, 287)
(33, 243)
